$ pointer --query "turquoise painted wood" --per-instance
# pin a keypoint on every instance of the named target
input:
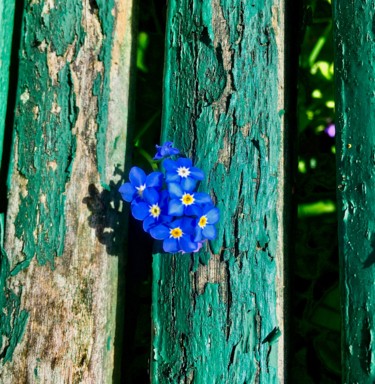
(6, 33)
(218, 316)
(355, 110)
(61, 300)
(11, 325)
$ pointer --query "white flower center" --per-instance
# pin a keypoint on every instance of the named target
(183, 171)
(140, 189)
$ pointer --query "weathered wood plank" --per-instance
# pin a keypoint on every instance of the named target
(64, 234)
(355, 143)
(221, 320)
(6, 33)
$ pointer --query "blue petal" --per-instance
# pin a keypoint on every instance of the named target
(193, 210)
(165, 218)
(207, 207)
(209, 232)
(137, 176)
(175, 190)
(140, 210)
(173, 151)
(158, 154)
(172, 177)
(197, 173)
(175, 208)
(187, 245)
(176, 223)
(154, 180)
(184, 162)
(188, 184)
(168, 150)
(164, 199)
(151, 195)
(170, 165)
(188, 225)
(148, 223)
(198, 234)
(202, 198)
(160, 232)
(213, 216)
(127, 192)
(171, 245)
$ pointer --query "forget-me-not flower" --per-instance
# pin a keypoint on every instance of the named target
(139, 183)
(165, 150)
(182, 171)
(177, 235)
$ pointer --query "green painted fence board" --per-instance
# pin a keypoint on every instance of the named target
(6, 32)
(218, 315)
(355, 110)
(61, 293)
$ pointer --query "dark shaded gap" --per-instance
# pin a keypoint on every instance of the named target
(124, 300)
(315, 333)
(292, 43)
(11, 102)
(147, 103)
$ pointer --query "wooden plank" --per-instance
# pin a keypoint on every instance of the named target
(64, 231)
(218, 316)
(355, 148)
(6, 33)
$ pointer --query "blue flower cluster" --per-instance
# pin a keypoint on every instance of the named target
(169, 205)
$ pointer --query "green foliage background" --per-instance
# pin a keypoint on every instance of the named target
(315, 355)
(315, 306)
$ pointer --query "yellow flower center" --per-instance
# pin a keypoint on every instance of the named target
(183, 171)
(202, 221)
(154, 211)
(187, 199)
(140, 189)
(176, 233)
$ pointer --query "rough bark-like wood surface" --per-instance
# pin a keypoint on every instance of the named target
(354, 36)
(64, 234)
(218, 315)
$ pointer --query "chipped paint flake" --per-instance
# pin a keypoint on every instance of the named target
(25, 97)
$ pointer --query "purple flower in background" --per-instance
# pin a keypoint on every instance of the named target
(165, 150)
(330, 130)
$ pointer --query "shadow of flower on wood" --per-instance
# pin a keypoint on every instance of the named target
(106, 217)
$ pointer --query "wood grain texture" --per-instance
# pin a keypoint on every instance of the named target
(218, 315)
(354, 36)
(64, 235)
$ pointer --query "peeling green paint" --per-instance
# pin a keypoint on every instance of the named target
(223, 91)
(45, 116)
(6, 33)
(61, 156)
(354, 37)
